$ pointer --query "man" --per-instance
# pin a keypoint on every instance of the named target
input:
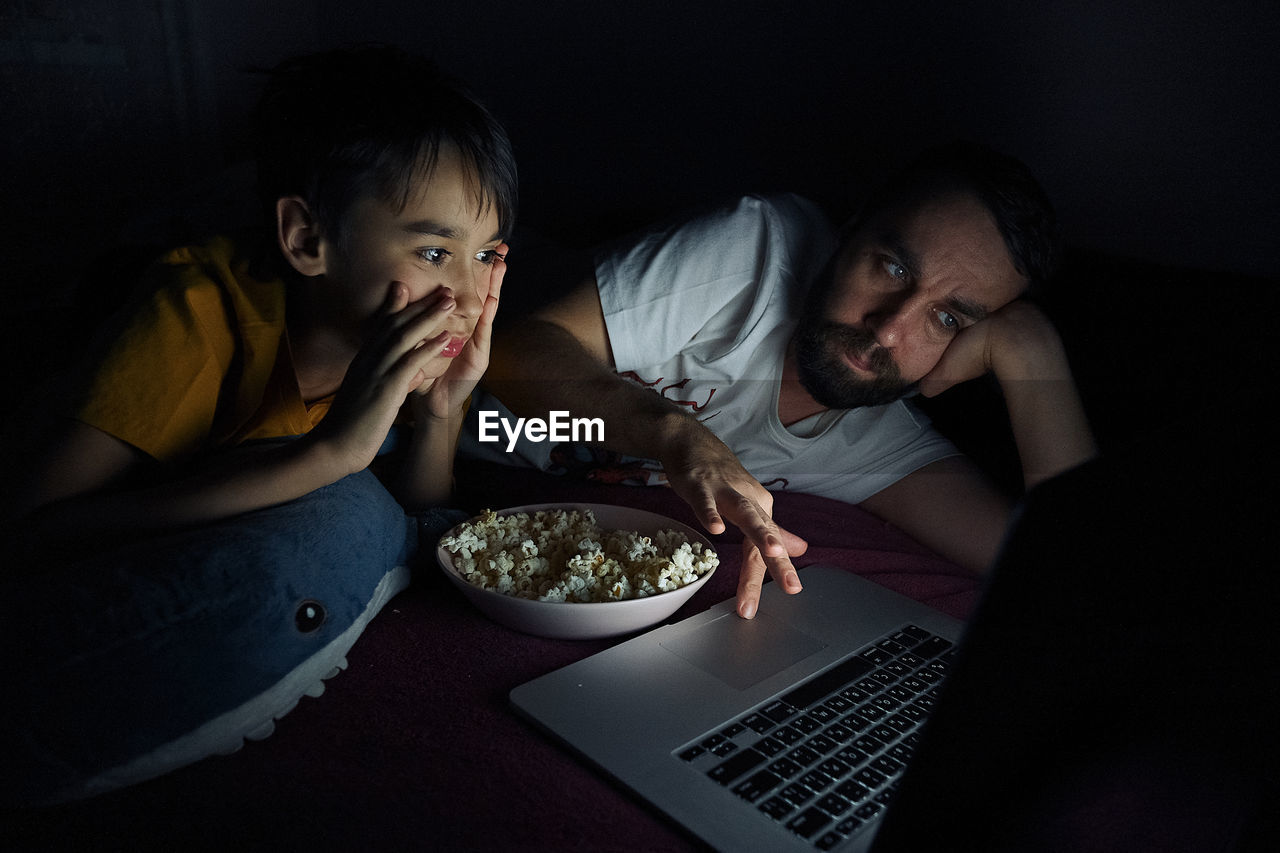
(783, 353)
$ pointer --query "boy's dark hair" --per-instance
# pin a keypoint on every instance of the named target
(1004, 184)
(335, 126)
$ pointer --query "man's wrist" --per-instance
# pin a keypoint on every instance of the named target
(1032, 357)
(676, 433)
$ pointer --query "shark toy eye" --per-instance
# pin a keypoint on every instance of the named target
(309, 616)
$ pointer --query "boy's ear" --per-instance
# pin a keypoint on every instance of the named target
(298, 233)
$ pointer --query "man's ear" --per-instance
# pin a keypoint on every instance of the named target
(298, 233)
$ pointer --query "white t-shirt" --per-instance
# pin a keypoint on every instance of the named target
(701, 313)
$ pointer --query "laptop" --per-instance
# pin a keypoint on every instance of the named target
(692, 715)
(849, 716)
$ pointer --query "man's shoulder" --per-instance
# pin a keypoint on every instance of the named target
(787, 204)
(786, 228)
(753, 218)
(798, 230)
(776, 210)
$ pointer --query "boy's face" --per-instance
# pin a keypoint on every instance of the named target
(902, 287)
(440, 239)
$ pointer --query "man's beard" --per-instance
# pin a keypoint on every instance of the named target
(820, 345)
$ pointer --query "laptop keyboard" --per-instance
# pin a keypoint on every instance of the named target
(824, 758)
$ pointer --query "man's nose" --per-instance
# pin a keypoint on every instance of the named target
(888, 321)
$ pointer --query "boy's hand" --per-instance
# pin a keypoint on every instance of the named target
(446, 396)
(402, 339)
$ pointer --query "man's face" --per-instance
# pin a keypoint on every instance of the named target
(901, 287)
(440, 239)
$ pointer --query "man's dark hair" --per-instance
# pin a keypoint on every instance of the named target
(336, 126)
(1004, 184)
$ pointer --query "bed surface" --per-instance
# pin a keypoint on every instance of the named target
(415, 746)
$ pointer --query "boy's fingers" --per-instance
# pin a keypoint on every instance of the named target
(421, 321)
(408, 372)
(496, 275)
(416, 360)
(395, 314)
(413, 335)
(483, 332)
(385, 320)
(495, 283)
(403, 312)
(397, 298)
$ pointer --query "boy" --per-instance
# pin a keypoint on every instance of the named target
(222, 446)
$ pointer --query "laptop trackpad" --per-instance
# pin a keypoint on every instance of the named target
(741, 652)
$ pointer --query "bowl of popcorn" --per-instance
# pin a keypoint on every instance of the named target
(576, 571)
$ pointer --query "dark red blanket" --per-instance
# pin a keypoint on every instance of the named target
(415, 747)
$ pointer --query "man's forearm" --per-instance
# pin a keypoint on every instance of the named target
(541, 367)
(1050, 429)
(1046, 415)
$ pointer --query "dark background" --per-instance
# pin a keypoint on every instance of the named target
(1153, 125)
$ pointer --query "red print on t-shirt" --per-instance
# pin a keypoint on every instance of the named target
(674, 386)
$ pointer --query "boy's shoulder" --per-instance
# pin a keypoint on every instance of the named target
(224, 271)
(234, 254)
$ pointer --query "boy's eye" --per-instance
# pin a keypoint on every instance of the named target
(434, 256)
(490, 256)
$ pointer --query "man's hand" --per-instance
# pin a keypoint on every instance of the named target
(709, 477)
(570, 340)
(1020, 347)
(1018, 342)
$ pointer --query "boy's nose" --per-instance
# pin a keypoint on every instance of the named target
(466, 292)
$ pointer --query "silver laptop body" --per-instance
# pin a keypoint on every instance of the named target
(690, 717)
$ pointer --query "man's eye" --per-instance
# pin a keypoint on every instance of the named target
(434, 256)
(948, 320)
(895, 269)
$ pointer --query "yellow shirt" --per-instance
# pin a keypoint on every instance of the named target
(204, 363)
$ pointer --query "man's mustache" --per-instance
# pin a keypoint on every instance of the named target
(860, 342)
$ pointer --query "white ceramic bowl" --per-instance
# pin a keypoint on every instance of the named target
(577, 620)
